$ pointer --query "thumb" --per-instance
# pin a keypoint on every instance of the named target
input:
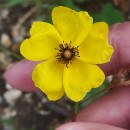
(87, 126)
(119, 38)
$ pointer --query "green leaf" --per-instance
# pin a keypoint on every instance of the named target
(93, 92)
(108, 14)
(12, 3)
(70, 4)
(80, 1)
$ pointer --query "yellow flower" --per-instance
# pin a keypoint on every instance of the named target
(70, 50)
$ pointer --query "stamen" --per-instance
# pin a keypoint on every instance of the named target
(67, 53)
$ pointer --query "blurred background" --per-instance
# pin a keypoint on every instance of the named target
(32, 111)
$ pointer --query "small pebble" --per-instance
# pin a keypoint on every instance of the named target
(11, 96)
(5, 40)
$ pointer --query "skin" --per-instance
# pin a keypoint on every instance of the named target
(111, 112)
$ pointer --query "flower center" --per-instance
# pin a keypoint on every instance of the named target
(67, 53)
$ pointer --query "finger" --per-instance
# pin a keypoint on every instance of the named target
(119, 38)
(19, 75)
(87, 126)
(112, 109)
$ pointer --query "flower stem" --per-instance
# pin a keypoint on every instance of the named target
(77, 104)
(76, 108)
(73, 118)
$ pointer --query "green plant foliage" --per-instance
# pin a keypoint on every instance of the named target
(51, 128)
(12, 3)
(8, 124)
(70, 4)
(93, 92)
(80, 1)
(108, 14)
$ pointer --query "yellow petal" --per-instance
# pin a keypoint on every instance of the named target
(73, 26)
(80, 77)
(48, 76)
(41, 46)
(95, 48)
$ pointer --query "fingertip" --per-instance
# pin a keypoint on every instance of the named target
(72, 126)
(87, 126)
(19, 75)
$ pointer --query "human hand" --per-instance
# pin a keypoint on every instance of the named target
(113, 108)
